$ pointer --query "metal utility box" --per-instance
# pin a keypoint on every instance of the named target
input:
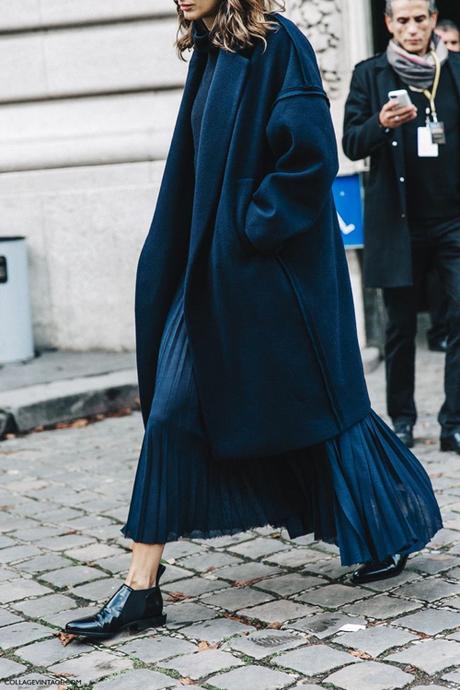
(16, 339)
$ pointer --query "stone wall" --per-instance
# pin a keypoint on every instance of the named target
(89, 93)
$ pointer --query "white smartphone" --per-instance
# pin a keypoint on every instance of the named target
(401, 97)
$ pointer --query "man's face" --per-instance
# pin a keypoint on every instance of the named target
(411, 25)
(451, 38)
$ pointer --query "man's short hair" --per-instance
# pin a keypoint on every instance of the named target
(447, 25)
(432, 7)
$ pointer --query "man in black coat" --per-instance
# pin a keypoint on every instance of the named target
(412, 204)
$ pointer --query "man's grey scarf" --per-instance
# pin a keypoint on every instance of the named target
(417, 70)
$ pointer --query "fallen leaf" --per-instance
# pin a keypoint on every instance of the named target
(360, 654)
(204, 645)
(177, 596)
(65, 638)
(187, 681)
(275, 626)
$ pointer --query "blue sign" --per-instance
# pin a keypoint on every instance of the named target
(348, 200)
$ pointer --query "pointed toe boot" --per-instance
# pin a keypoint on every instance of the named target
(379, 570)
(136, 609)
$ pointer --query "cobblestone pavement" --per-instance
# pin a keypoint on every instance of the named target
(251, 612)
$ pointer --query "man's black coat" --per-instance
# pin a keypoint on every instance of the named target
(387, 253)
(268, 306)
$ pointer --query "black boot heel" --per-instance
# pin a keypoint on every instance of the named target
(130, 608)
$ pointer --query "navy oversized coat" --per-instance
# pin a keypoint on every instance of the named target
(268, 304)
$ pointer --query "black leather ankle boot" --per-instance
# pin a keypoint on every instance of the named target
(379, 570)
(127, 608)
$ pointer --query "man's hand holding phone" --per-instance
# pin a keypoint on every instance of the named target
(398, 110)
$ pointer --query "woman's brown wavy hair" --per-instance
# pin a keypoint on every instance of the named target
(237, 25)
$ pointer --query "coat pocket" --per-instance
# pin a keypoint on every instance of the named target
(244, 190)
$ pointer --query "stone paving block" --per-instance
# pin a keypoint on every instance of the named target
(72, 575)
(374, 641)
(51, 651)
(430, 621)
(6, 618)
(38, 681)
(279, 611)
(92, 666)
(247, 571)
(10, 668)
(185, 612)
(315, 659)
(99, 590)
(217, 560)
(20, 589)
(292, 583)
(202, 664)
(181, 549)
(65, 542)
(429, 589)
(294, 558)
(137, 679)
(17, 553)
(429, 687)
(432, 563)
(326, 566)
(39, 533)
(174, 573)
(264, 643)
(18, 634)
(307, 687)
(259, 548)
(6, 541)
(370, 675)
(233, 599)
(444, 537)
(93, 552)
(453, 677)
(195, 586)
(47, 562)
(116, 564)
(381, 606)
(334, 596)
(42, 606)
(430, 656)
(252, 677)
(216, 630)
(324, 625)
(8, 574)
(151, 650)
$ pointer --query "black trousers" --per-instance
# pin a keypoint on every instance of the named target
(435, 243)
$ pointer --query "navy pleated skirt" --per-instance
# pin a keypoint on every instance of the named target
(363, 490)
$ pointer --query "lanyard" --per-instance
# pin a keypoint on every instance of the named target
(431, 95)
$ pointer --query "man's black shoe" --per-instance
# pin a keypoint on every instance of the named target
(404, 431)
(451, 442)
(127, 608)
(381, 570)
(439, 345)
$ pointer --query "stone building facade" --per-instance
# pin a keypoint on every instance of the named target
(88, 97)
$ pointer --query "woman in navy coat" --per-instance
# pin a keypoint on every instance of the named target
(252, 389)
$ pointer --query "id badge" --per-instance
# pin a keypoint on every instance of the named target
(438, 132)
(426, 148)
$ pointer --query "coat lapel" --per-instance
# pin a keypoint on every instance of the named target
(217, 128)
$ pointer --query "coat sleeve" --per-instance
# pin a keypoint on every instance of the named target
(362, 132)
(290, 198)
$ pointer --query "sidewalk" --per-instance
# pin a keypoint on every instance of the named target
(252, 611)
(64, 386)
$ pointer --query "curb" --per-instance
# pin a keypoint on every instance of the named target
(24, 409)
